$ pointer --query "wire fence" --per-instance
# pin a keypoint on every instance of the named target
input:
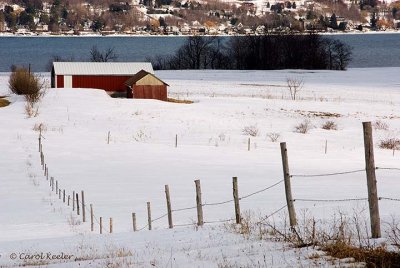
(246, 142)
(388, 168)
(63, 193)
(219, 203)
(97, 220)
(389, 198)
(340, 172)
(271, 214)
(327, 174)
(329, 200)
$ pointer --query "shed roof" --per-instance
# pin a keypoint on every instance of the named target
(142, 73)
(101, 68)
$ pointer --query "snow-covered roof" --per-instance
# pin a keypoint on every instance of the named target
(101, 68)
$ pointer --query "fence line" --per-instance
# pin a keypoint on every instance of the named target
(156, 219)
(230, 200)
(183, 209)
(389, 198)
(272, 214)
(388, 168)
(262, 190)
(340, 173)
(184, 224)
(163, 216)
(217, 203)
(327, 174)
(46, 174)
(287, 176)
(330, 200)
(218, 221)
(83, 205)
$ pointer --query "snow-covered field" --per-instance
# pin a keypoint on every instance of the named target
(120, 177)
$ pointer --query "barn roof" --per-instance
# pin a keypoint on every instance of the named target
(142, 73)
(101, 68)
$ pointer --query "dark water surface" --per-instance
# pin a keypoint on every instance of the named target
(369, 50)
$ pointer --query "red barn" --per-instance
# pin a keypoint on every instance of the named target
(110, 76)
(145, 85)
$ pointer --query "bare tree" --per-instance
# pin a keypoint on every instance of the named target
(294, 86)
(338, 54)
(102, 56)
(343, 54)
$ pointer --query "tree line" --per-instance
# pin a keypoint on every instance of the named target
(267, 52)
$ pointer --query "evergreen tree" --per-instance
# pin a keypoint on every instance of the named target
(333, 21)
(373, 20)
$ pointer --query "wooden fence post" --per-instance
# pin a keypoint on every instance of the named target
(248, 144)
(64, 196)
(134, 222)
(69, 197)
(73, 200)
(200, 221)
(52, 184)
(236, 200)
(371, 181)
(111, 226)
(326, 146)
(56, 186)
(176, 140)
(169, 210)
(108, 138)
(47, 173)
(288, 189)
(77, 203)
(83, 206)
(59, 194)
(91, 218)
(149, 215)
(101, 225)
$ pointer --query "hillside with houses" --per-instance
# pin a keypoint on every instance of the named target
(183, 17)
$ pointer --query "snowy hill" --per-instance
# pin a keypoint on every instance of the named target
(122, 152)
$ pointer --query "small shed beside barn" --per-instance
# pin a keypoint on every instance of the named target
(145, 85)
(110, 76)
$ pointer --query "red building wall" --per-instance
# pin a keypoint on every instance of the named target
(60, 81)
(108, 83)
(150, 92)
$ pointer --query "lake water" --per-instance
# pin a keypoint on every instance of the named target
(369, 50)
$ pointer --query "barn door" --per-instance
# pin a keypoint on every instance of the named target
(67, 81)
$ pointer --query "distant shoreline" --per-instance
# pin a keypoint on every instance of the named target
(174, 36)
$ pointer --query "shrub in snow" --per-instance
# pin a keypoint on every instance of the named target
(273, 136)
(251, 130)
(23, 82)
(329, 125)
(380, 125)
(394, 233)
(390, 143)
(294, 86)
(40, 127)
(141, 136)
(303, 127)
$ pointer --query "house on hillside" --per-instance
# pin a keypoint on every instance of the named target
(145, 85)
(130, 79)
